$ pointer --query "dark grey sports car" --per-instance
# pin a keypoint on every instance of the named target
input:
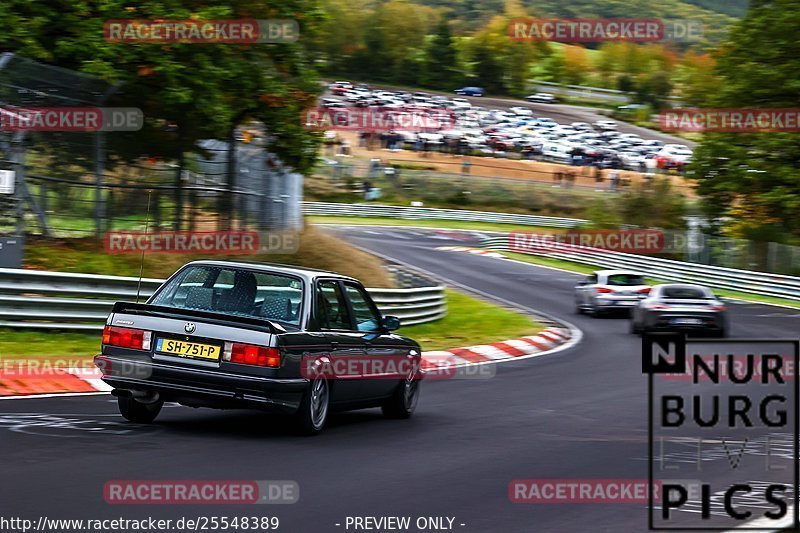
(680, 307)
(252, 335)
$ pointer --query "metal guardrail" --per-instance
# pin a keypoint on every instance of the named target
(426, 213)
(69, 301)
(670, 270)
(599, 93)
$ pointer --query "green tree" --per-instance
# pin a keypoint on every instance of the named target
(487, 68)
(576, 65)
(440, 63)
(186, 91)
(656, 206)
(654, 89)
(753, 177)
(626, 84)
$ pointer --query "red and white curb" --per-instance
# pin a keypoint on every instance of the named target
(88, 380)
(70, 380)
(532, 345)
(475, 251)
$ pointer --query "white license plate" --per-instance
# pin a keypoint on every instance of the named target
(686, 321)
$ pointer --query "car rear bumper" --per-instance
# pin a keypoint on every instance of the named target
(618, 303)
(203, 387)
(669, 322)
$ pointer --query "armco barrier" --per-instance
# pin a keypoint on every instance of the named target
(63, 300)
(671, 270)
(426, 213)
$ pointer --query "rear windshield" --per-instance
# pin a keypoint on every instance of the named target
(684, 293)
(232, 291)
(625, 279)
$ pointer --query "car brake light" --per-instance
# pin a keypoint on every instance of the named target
(603, 290)
(138, 339)
(646, 290)
(250, 354)
(717, 307)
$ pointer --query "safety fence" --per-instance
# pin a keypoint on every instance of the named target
(667, 269)
(422, 213)
(72, 301)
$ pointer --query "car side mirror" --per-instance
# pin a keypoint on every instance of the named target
(390, 323)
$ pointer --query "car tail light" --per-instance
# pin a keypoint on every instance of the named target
(657, 306)
(138, 339)
(250, 354)
(603, 290)
(717, 307)
(646, 290)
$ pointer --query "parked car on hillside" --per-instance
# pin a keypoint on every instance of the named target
(522, 111)
(470, 91)
(542, 98)
(605, 125)
(673, 155)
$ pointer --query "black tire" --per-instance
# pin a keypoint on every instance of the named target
(722, 333)
(312, 415)
(403, 402)
(636, 330)
(578, 309)
(138, 412)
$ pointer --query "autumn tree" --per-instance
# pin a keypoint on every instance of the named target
(752, 177)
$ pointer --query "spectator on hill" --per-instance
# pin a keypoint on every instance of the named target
(558, 177)
(570, 178)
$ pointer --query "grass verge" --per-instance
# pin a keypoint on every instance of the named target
(317, 249)
(585, 269)
(43, 344)
(457, 329)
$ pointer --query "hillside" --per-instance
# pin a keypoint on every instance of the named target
(716, 14)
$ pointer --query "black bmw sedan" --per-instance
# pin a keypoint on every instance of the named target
(251, 335)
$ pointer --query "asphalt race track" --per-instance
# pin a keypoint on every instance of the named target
(578, 414)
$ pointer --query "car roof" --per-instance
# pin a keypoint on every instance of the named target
(612, 272)
(309, 274)
(682, 286)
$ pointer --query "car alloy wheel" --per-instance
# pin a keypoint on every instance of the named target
(319, 402)
(410, 389)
